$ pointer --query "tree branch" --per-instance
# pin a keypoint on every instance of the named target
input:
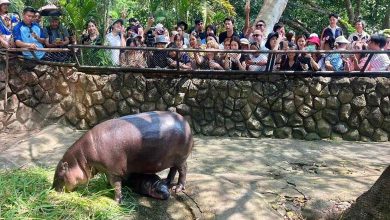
(296, 25)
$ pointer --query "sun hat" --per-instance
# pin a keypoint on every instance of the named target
(341, 40)
(244, 41)
(4, 2)
(270, 36)
(161, 39)
(314, 39)
(119, 20)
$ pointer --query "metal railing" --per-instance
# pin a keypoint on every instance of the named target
(97, 59)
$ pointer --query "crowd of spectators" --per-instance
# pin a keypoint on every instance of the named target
(28, 33)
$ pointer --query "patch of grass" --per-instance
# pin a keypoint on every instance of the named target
(25, 193)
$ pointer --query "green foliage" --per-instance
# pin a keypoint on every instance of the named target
(78, 12)
(96, 57)
(26, 194)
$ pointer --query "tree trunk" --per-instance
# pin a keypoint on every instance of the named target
(357, 8)
(351, 14)
(386, 22)
(270, 12)
(373, 204)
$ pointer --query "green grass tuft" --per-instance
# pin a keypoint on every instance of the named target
(25, 193)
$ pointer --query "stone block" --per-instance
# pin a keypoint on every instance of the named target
(359, 102)
(380, 136)
(284, 132)
(375, 117)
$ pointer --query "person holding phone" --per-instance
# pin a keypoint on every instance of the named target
(56, 34)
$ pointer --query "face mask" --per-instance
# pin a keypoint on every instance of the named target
(311, 48)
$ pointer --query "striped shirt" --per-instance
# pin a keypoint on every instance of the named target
(379, 62)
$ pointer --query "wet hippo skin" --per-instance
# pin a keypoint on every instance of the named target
(148, 184)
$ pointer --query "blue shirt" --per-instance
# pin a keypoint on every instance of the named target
(3, 28)
(23, 33)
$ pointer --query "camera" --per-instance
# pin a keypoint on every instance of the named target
(149, 41)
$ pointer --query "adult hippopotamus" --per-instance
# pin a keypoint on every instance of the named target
(148, 185)
(142, 143)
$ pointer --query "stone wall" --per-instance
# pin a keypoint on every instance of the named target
(306, 108)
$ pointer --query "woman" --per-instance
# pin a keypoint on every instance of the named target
(92, 36)
(179, 41)
(301, 42)
(182, 60)
(116, 38)
(210, 60)
(357, 61)
(234, 61)
(134, 58)
(5, 26)
(291, 62)
(273, 43)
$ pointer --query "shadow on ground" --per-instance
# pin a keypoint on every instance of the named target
(240, 178)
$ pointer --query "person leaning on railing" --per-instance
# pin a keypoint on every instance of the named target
(134, 58)
(174, 60)
(357, 61)
(257, 61)
(5, 25)
(379, 61)
(234, 61)
(290, 62)
(210, 61)
(159, 58)
(29, 35)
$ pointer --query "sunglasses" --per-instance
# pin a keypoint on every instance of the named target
(259, 25)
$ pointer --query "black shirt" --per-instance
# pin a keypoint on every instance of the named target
(223, 36)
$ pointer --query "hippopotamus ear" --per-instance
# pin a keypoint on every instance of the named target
(64, 166)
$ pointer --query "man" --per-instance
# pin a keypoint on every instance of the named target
(379, 62)
(56, 34)
(199, 29)
(331, 32)
(260, 25)
(29, 35)
(258, 38)
(360, 34)
(38, 18)
(229, 32)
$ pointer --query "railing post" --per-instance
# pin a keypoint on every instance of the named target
(367, 62)
(177, 59)
(6, 79)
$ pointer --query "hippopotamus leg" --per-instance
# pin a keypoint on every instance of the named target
(171, 176)
(182, 168)
(116, 183)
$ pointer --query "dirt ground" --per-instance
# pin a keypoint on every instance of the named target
(238, 178)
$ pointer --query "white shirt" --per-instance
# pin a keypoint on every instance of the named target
(115, 41)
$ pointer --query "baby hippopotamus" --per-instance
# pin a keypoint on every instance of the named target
(142, 143)
(149, 185)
